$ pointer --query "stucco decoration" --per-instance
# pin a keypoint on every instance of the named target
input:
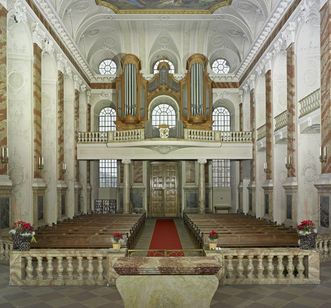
(164, 6)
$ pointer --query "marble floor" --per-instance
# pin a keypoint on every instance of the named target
(291, 296)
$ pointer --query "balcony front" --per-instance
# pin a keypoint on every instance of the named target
(195, 144)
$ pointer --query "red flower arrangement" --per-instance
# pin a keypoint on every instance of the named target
(117, 236)
(306, 227)
(213, 235)
(24, 229)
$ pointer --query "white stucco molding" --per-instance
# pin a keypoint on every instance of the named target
(77, 82)
(4, 3)
(38, 35)
(20, 11)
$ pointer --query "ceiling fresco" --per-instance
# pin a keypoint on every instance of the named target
(164, 6)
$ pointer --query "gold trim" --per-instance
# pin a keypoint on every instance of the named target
(116, 10)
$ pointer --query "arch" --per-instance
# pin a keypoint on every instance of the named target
(107, 118)
(221, 119)
(96, 109)
(163, 99)
(227, 104)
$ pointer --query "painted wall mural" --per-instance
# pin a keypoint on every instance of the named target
(164, 6)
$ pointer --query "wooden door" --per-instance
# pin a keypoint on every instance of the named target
(163, 190)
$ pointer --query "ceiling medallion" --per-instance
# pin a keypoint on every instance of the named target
(164, 6)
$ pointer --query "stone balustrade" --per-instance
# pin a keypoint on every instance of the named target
(126, 135)
(218, 136)
(5, 247)
(199, 135)
(261, 132)
(241, 137)
(310, 103)
(92, 137)
(323, 245)
(281, 120)
(270, 266)
(43, 267)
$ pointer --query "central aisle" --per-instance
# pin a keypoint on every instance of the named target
(145, 237)
(165, 237)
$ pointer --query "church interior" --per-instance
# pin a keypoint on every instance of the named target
(194, 134)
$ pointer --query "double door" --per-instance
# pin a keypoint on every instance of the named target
(164, 189)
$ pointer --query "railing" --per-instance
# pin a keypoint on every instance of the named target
(126, 135)
(270, 266)
(63, 267)
(218, 136)
(323, 245)
(5, 247)
(165, 252)
(92, 137)
(199, 135)
(242, 137)
(261, 132)
(281, 120)
(310, 103)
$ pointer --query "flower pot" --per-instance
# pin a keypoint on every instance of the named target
(117, 246)
(21, 243)
(212, 245)
(307, 241)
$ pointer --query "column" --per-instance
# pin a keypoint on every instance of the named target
(323, 184)
(126, 186)
(61, 166)
(252, 120)
(5, 182)
(88, 167)
(268, 185)
(202, 186)
(38, 185)
(240, 186)
(290, 185)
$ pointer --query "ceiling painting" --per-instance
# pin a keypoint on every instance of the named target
(163, 6)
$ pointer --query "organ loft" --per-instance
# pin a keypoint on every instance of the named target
(195, 135)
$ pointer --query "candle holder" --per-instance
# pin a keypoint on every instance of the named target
(4, 154)
(323, 154)
(64, 167)
(40, 162)
(288, 162)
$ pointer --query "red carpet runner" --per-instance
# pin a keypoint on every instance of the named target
(165, 237)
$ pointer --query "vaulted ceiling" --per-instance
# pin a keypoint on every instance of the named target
(100, 33)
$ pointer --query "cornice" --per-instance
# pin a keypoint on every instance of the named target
(59, 28)
(276, 17)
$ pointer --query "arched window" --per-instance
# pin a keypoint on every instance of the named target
(107, 67)
(220, 66)
(164, 114)
(221, 118)
(221, 167)
(171, 66)
(107, 167)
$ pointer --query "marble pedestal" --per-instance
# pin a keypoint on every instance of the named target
(171, 291)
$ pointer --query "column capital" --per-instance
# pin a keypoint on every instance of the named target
(77, 82)
(48, 46)
(60, 63)
(38, 35)
(20, 11)
(202, 161)
(126, 161)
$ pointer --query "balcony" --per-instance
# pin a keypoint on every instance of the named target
(132, 144)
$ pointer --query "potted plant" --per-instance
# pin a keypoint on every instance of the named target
(307, 234)
(213, 236)
(22, 234)
(116, 239)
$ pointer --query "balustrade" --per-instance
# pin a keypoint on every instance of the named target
(5, 247)
(323, 245)
(281, 120)
(270, 266)
(92, 137)
(310, 103)
(261, 132)
(61, 267)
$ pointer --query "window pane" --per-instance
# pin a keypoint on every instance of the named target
(171, 70)
(221, 167)
(164, 114)
(107, 168)
(220, 66)
(107, 67)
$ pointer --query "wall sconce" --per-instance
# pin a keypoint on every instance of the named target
(323, 154)
(265, 167)
(4, 154)
(40, 162)
(64, 167)
(288, 162)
